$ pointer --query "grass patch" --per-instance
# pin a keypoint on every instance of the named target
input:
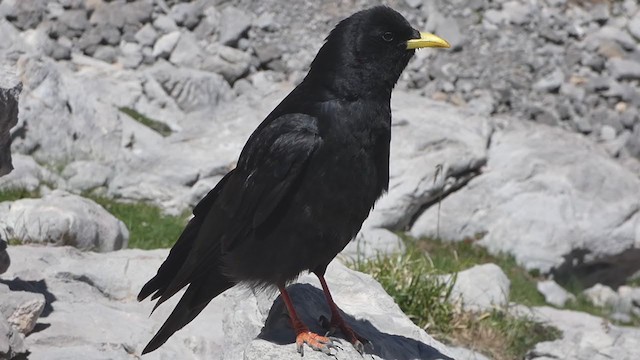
(148, 227)
(415, 286)
(498, 335)
(457, 256)
(635, 282)
(17, 194)
(157, 126)
(411, 278)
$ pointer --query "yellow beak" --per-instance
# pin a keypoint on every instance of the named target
(427, 40)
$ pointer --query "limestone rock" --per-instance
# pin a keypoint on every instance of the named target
(481, 287)
(366, 307)
(11, 341)
(544, 194)
(583, 336)
(554, 294)
(92, 312)
(60, 218)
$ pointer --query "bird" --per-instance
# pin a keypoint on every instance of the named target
(304, 183)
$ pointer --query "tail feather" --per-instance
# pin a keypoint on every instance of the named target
(158, 284)
(205, 283)
(180, 252)
(194, 300)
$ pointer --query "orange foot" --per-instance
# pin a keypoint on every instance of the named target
(315, 341)
(337, 323)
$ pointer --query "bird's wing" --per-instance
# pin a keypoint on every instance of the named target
(269, 167)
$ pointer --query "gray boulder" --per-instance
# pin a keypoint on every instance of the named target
(165, 44)
(234, 23)
(554, 294)
(60, 218)
(546, 196)
(481, 288)
(84, 175)
(192, 89)
(10, 89)
(435, 149)
(52, 92)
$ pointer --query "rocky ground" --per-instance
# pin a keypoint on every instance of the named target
(524, 138)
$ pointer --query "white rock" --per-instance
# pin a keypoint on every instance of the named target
(28, 175)
(60, 218)
(372, 242)
(481, 287)
(146, 36)
(544, 193)
(602, 296)
(634, 26)
(423, 139)
(85, 175)
(584, 337)
(11, 341)
(233, 24)
(624, 69)
(165, 44)
(52, 92)
(554, 294)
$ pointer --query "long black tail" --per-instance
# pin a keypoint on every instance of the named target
(194, 300)
(203, 285)
(181, 249)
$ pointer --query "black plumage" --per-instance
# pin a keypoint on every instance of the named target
(305, 181)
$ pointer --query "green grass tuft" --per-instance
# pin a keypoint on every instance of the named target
(17, 194)
(415, 286)
(159, 127)
(457, 256)
(413, 278)
(148, 227)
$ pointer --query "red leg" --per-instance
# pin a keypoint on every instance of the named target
(303, 335)
(337, 322)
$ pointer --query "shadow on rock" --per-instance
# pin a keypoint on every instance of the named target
(310, 304)
(39, 286)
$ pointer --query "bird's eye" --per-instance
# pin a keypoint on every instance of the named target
(388, 36)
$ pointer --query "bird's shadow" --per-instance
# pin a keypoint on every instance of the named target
(33, 286)
(310, 304)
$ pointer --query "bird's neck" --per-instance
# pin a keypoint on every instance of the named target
(350, 83)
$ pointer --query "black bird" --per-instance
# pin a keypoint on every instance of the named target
(304, 183)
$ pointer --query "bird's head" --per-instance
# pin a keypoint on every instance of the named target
(366, 52)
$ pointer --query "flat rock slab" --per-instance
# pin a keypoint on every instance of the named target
(91, 312)
(365, 305)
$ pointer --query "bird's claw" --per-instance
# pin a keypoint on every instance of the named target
(316, 342)
(354, 338)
